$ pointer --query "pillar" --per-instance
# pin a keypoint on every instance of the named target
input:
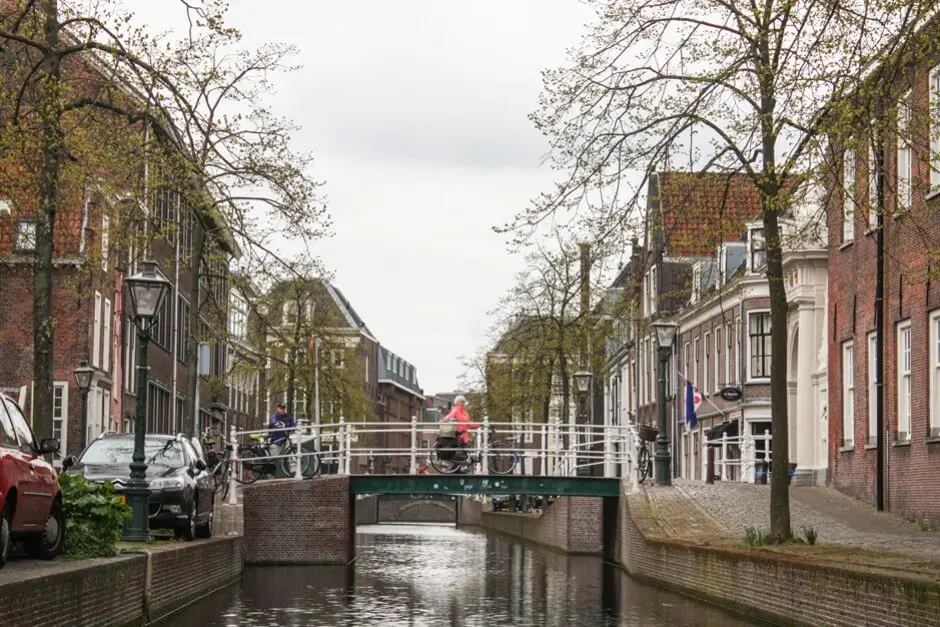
(806, 427)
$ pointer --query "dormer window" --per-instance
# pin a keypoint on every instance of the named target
(758, 250)
(696, 283)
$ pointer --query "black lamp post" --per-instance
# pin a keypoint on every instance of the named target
(147, 290)
(665, 334)
(83, 376)
(582, 382)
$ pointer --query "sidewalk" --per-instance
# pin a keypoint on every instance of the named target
(849, 532)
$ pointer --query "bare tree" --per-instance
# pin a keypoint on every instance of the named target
(758, 80)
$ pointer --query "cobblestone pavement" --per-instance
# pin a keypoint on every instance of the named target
(698, 511)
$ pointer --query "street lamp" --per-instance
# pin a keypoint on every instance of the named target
(147, 290)
(83, 376)
(582, 382)
(665, 334)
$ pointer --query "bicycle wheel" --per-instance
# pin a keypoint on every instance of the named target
(644, 464)
(502, 460)
(252, 469)
(309, 462)
(444, 466)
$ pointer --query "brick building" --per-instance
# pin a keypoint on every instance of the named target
(911, 369)
(704, 271)
(400, 398)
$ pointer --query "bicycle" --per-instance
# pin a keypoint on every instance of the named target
(644, 467)
(502, 458)
(255, 467)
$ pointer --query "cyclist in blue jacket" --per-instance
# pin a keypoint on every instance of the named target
(280, 420)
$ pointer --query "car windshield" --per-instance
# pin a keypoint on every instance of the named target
(120, 450)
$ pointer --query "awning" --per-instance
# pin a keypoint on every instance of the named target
(714, 434)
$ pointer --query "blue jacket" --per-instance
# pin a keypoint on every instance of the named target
(280, 421)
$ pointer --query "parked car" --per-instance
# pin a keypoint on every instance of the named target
(181, 491)
(30, 498)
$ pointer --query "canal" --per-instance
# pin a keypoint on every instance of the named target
(436, 575)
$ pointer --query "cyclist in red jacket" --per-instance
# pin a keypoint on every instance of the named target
(464, 424)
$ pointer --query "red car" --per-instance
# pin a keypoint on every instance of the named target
(30, 499)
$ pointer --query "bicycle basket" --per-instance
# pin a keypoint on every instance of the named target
(448, 429)
(647, 433)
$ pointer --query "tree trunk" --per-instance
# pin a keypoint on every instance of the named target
(43, 327)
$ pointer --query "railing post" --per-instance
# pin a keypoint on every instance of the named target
(543, 445)
(233, 466)
(350, 428)
(724, 456)
(341, 447)
(414, 445)
(608, 451)
(485, 445)
(297, 474)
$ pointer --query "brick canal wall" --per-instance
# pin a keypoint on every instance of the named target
(104, 592)
(778, 588)
(574, 524)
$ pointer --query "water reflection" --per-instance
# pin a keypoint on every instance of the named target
(428, 575)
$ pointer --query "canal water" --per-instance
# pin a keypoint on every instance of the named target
(436, 575)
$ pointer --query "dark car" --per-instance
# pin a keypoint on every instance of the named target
(30, 499)
(180, 488)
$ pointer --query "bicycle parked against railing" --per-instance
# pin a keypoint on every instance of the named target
(644, 462)
(254, 466)
(449, 457)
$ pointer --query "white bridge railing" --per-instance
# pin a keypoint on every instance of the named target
(538, 449)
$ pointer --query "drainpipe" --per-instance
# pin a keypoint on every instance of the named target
(176, 315)
(879, 339)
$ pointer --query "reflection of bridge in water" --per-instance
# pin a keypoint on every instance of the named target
(412, 508)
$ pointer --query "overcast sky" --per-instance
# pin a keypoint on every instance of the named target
(416, 112)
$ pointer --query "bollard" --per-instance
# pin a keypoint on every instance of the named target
(414, 445)
(233, 466)
(341, 447)
(297, 474)
(710, 466)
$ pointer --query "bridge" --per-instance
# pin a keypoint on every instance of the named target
(586, 467)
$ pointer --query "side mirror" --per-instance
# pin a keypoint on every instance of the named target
(68, 462)
(49, 446)
(200, 465)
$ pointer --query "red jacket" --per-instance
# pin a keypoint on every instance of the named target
(464, 425)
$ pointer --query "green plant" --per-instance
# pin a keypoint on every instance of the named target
(810, 534)
(754, 537)
(94, 517)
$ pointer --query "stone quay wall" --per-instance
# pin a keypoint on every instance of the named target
(133, 589)
(574, 524)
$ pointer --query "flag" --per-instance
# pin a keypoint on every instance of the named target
(692, 401)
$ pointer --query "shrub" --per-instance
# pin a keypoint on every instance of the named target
(810, 534)
(754, 537)
(94, 517)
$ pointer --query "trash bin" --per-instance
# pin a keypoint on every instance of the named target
(760, 472)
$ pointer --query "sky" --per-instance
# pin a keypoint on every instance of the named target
(416, 112)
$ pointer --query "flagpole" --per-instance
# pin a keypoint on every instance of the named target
(704, 396)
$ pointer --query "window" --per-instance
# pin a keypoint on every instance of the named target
(25, 236)
(96, 333)
(872, 181)
(367, 368)
(162, 331)
(904, 153)
(935, 374)
(159, 419)
(758, 324)
(718, 358)
(685, 364)
(758, 250)
(21, 427)
(60, 415)
(848, 195)
(130, 356)
(7, 434)
(707, 366)
(182, 336)
(105, 227)
(696, 351)
(338, 358)
(106, 337)
(934, 116)
(904, 380)
(872, 388)
(300, 404)
(848, 394)
(730, 373)
(290, 312)
(696, 283)
(654, 292)
(238, 317)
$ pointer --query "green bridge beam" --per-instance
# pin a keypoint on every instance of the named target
(483, 484)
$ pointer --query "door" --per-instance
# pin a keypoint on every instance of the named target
(36, 489)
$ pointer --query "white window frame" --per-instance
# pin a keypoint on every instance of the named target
(687, 354)
(62, 418)
(904, 356)
(130, 357)
(718, 354)
(105, 241)
(848, 394)
(872, 388)
(738, 352)
(696, 349)
(367, 368)
(654, 294)
(696, 283)
(706, 363)
(752, 237)
(106, 337)
(849, 167)
(935, 373)
(873, 217)
(748, 373)
(338, 358)
(96, 333)
(905, 154)
(729, 373)
(934, 114)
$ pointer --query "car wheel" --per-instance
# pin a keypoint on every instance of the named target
(205, 531)
(48, 544)
(5, 536)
